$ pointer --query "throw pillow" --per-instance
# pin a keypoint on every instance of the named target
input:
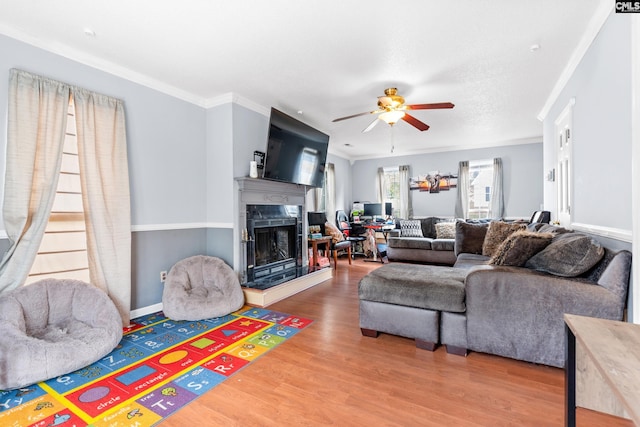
(470, 237)
(497, 233)
(568, 255)
(519, 247)
(332, 230)
(446, 230)
(410, 228)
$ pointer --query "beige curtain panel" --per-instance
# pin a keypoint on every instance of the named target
(35, 136)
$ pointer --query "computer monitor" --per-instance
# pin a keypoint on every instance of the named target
(388, 209)
(372, 209)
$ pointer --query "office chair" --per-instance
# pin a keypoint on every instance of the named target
(352, 232)
(543, 217)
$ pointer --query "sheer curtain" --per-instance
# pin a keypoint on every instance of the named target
(496, 208)
(462, 202)
(406, 210)
(330, 193)
(104, 174)
(380, 185)
(37, 122)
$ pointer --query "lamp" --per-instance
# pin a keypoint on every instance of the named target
(391, 117)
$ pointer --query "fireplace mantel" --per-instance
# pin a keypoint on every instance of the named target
(256, 191)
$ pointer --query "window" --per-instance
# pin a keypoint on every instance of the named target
(63, 251)
(480, 183)
(391, 188)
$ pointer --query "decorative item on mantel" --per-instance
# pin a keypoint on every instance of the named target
(253, 169)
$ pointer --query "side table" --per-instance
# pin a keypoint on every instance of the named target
(326, 241)
(602, 372)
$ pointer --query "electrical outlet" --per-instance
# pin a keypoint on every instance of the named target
(163, 276)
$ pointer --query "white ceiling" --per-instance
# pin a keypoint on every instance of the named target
(333, 58)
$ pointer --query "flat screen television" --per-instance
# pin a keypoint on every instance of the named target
(295, 152)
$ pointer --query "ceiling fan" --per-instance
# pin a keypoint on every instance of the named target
(392, 108)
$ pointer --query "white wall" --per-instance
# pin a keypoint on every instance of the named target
(602, 144)
(522, 169)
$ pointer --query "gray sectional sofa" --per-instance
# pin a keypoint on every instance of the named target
(427, 248)
(507, 310)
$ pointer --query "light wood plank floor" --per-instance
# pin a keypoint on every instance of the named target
(330, 374)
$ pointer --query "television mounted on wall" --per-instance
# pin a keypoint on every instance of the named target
(296, 152)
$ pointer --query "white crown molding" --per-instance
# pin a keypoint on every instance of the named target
(597, 21)
(611, 233)
(234, 98)
(102, 65)
(506, 143)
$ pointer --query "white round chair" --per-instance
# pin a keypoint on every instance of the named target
(54, 327)
(201, 287)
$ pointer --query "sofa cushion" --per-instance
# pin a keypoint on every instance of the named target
(497, 233)
(445, 230)
(470, 237)
(429, 225)
(422, 286)
(410, 243)
(568, 255)
(443, 244)
(410, 228)
(519, 247)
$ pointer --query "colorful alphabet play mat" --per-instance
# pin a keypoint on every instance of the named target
(159, 366)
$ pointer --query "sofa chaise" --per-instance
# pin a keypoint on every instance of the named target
(483, 305)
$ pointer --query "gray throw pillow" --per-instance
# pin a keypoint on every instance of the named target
(519, 247)
(470, 237)
(568, 255)
(410, 228)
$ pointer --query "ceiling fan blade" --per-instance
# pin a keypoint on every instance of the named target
(415, 122)
(357, 115)
(430, 106)
(371, 125)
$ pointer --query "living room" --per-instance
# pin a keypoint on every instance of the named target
(185, 154)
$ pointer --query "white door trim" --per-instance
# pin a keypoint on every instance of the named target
(635, 165)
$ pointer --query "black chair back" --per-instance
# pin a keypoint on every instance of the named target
(317, 218)
(542, 217)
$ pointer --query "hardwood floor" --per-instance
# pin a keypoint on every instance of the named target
(330, 374)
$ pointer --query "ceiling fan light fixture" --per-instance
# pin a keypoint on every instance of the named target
(391, 117)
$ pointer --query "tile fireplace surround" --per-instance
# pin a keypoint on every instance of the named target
(256, 191)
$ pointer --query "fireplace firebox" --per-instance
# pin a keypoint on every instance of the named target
(274, 242)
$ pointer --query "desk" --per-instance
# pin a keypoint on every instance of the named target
(326, 241)
(385, 229)
(602, 372)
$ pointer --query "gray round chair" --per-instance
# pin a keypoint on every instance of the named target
(54, 327)
(201, 287)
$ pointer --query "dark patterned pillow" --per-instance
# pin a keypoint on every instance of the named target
(410, 228)
(497, 233)
(568, 255)
(519, 247)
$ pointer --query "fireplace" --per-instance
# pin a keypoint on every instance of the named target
(271, 256)
(273, 240)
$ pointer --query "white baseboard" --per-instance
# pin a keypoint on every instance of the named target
(146, 310)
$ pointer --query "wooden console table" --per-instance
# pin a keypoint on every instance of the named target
(602, 372)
